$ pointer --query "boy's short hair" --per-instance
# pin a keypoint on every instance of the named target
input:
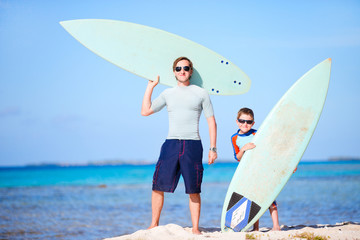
(246, 111)
(180, 59)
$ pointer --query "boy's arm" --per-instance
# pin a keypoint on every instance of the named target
(146, 104)
(246, 147)
(212, 132)
(235, 146)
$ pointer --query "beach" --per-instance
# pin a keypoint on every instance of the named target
(345, 230)
(99, 202)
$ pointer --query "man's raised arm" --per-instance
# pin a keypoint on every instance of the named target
(146, 104)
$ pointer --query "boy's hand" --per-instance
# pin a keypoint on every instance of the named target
(248, 146)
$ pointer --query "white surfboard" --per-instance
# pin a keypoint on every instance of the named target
(280, 143)
(148, 52)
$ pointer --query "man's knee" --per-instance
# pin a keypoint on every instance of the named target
(157, 193)
(194, 197)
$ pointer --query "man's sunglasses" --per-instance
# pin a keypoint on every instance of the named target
(186, 68)
(242, 121)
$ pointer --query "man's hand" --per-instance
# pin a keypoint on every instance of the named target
(212, 157)
(152, 83)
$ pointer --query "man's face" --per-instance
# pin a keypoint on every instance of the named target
(183, 71)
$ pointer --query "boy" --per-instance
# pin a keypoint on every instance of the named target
(241, 142)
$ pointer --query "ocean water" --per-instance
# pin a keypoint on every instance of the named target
(96, 202)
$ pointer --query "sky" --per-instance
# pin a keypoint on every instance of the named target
(60, 103)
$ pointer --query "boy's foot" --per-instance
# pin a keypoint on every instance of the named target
(196, 231)
(276, 228)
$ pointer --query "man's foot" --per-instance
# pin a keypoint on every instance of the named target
(196, 231)
(152, 226)
(255, 229)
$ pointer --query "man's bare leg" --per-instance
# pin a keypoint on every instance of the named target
(195, 207)
(157, 202)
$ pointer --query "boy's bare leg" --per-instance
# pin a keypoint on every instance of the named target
(256, 226)
(275, 218)
(157, 202)
(195, 207)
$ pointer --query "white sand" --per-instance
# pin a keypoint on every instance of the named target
(346, 230)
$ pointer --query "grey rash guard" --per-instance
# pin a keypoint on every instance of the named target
(184, 106)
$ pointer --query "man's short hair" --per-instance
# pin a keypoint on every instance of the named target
(180, 59)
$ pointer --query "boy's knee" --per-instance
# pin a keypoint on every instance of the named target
(273, 207)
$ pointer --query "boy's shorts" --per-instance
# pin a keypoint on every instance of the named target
(179, 157)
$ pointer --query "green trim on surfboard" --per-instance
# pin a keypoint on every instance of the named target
(280, 143)
(148, 52)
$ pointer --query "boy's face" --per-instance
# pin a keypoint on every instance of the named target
(245, 126)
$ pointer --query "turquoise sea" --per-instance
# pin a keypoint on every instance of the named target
(95, 202)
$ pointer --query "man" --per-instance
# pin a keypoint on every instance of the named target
(182, 151)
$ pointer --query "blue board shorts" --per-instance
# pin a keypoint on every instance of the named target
(179, 157)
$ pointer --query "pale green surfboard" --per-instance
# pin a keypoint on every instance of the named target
(148, 52)
(280, 143)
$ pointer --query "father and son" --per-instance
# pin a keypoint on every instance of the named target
(182, 151)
